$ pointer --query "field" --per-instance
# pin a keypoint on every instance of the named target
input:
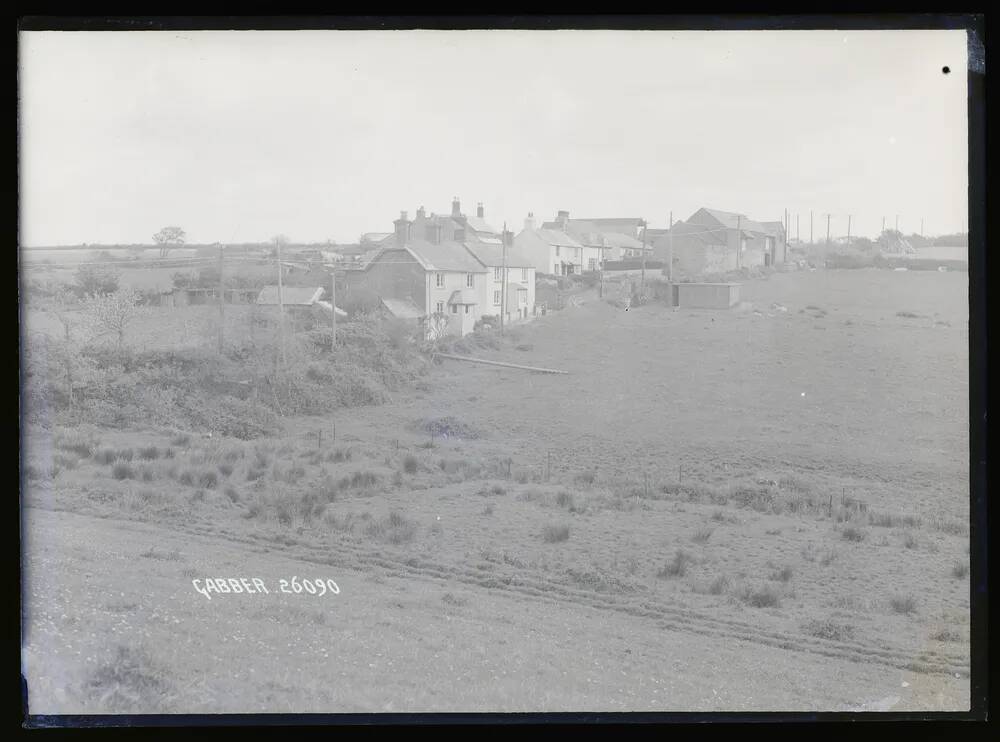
(757, 509)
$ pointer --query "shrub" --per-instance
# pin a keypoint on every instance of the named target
(395, 528)
(105, 455)
(232, 493)
(181, 439)
(76, 443)
(225, 468)
(782, 575)
(906, 604)
(553, 534)
(410, 465)
(130, 680)
(208, 479)
(946, 635)
(702, 535)
(677, 567)
(852, 533)
(122, 470)
(564, 499)
(719, 585)
(960, 570)
(761, 597)
(829, 629)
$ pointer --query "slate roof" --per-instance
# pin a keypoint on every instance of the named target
(555, 237)
(492, 255)
(402, 308)
(480, 225)
(445, 256)
(730, 220)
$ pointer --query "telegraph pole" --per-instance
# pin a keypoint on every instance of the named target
(828, 230)
(503, 281)
(897, 222)
(281, 307)
(848, 230)
(670, 257)
(739, 242)
(810, 227)
(642, 282)
(222, 296)
(333, 306)
(921, 226)
(797, 233)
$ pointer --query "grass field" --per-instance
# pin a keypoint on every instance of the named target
(753, 509)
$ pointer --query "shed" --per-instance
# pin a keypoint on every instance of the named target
(708, 295)
(291, 296)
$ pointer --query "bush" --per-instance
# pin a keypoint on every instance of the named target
(93, 279)
(553, 534)
(677, 567)
(122, 470)
(960, 570)
(853, 533)
(410, 465)
(829, 629)
(906, 604)
(761, 597)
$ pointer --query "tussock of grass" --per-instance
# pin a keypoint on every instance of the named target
(232, 493)
(452, 599)
(105, 455)
(910, 540)
(853, 533)
(764, 596)
(960, 570)
(130, 680)
(410, 465)
(947, 635)
(905, 604)
(553, 534)
(791, 483)
(164, 556)
(289, 475)
(677, 567)
(394, 528)
(719, 585)
(702, 535)
(339, 455)
(180, 439)
(829, 629)
(149, 453)
(564, 499)
(784, 574)
(122, 470)
(585, 478)
(77, 443)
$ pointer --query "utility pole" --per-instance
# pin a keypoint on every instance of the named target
(281, 307)
(670, 258)
(797, 233)
(810, 226)
(739, 242)
(897, 222)
(848, 230)
(921, 226)
(503, 281)
(642, 282)
(828, 230)
(333, 306)
(222, 296)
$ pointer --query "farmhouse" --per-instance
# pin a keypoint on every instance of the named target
(443, 280)
(453, 227)
(713, 241)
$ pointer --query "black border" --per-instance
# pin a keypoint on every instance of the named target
(975, 24)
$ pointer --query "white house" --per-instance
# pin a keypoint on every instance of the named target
(550, 251)
(520, 301)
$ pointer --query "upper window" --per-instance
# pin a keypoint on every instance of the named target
(440, 307)
(498, 274)
(557, 250)
(469, 280)
(496, 298)
(439, 280)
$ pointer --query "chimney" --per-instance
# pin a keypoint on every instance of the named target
(456, 207)
(479, 209)
(421, 213)
(529, 223)
(402, 229)
(435, 233)
(562, 217)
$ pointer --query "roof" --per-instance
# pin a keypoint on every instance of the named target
(402, 308)
(617, 239)
(554, 237)
(464, 296)
(516, 286)
(290, 295)
(376, 236)
(492, 255)
(732, 220)
(705, 234)
(480, 225)
(444, 256)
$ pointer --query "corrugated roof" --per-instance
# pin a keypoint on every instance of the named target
(492, 255)
(290, 295)
(465, 296)
(402, 308)
(730, 220)
(445, 256)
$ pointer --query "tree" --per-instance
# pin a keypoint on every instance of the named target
(96, 279)
(114, 312)
(169, 237)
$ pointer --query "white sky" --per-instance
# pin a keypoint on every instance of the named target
(237, 136)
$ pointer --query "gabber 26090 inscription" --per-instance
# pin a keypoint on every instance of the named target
(254, 585)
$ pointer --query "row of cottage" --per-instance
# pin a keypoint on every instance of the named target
(461, 269)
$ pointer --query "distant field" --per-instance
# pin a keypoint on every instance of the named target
(756, 509)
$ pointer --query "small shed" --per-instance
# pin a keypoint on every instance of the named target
(708, 295)
(291, 296)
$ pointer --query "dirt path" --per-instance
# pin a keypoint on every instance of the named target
(392, 640)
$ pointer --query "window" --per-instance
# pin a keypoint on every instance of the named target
(440, 307)
(524, 274)
(454, 308)
(467, 308)
(498, 274)
(496, 298)
(468, 280)
(592, 264)
(439, 280)
(557, 251)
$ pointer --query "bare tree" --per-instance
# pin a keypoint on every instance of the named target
(169, 237)
(113, 313)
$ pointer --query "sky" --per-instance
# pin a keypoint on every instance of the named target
(322, 135)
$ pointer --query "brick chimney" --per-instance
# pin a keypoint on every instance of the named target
(563, 218)
(421, 213)
(456, 207)
(479, 209)
(402, 229)
(529, 222)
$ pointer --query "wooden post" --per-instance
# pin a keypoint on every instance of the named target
(222, 297)
(739, 241)
(503, 280)
(670, 258)
(281, 309)
(810, 227)
(642, 281)
(828, 230)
